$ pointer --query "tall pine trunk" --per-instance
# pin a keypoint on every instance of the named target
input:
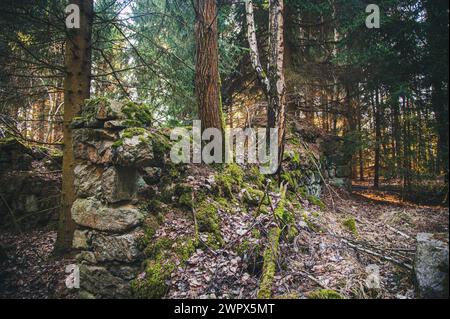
(77, 85)
(207, 64)
(378, 134)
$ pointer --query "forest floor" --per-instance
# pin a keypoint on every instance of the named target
(329, 253)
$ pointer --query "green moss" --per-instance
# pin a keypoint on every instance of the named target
(153, 285)
(229, 180)
(151, 225)
(138, 115)
(117, 143)
(310, 224)
(185, 248)
(269, 268)
(254, 176)
(283, 215)
(185, 200)
(208, 222)
(243, 247)
(291, 296)
(214, 240)
(316, 201)
(224, 204)
(324, 294)
(253, 197)
(292, 233)
(350, 224)
(159, 248)
(207, 218)
(132, 132)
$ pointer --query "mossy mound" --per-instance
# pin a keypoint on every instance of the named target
(163, 256)
(350, 225)
(324, 294)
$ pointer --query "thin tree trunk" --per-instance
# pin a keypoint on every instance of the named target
(77, 84)
(377, 113)
(276, 115)
(274, 81)
(207, 64)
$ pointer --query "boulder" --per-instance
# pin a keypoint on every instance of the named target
(119, 184)
(123, 248)
(92, 213)
(93, 145)
(109, 110)
(431, 266)
(99, 282)
(88, 179)
(135, 149)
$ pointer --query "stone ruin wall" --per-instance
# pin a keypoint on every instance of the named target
(115, 167)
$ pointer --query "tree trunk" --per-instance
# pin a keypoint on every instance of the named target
(377, 113)
(77, 83)
(253, 44)
(276, 115)
(207, 64)
(274, 81)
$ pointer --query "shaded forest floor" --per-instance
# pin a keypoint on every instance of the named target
(337, 248)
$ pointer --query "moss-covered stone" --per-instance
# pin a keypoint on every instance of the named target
(324, 294)
(208, 222)
(269, 268)
(153, 283)
(138, 115)
(207, 218)
(230, 180)
(254, 197)
(350, 224)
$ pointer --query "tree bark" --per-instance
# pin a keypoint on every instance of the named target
(207, 64)
(274, 80)
(77, 84)
(377, 111)
(276, 115)
(253, 44)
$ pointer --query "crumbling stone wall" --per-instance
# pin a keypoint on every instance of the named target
(29, 187)
(113, 164)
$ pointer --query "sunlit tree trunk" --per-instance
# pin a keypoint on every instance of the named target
(207, 64)
(77, 84)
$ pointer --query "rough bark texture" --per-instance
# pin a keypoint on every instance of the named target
(76, 90)
(253, 44)
(277, 96)
(274, 82)
(207, 65)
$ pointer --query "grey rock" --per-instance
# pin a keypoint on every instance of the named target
(86, 257)
(31, 204)
(93, 145)
(101, 284)
(109, 110)
(123, 248)
(87, 180)
(136, 151)
(431, 266)
(92, 213)
(80, 239)
(119, 184)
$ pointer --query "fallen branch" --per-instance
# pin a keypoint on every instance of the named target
(370, 252)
